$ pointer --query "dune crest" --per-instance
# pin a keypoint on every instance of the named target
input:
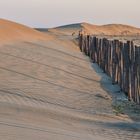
(11, 31)
(110, 29)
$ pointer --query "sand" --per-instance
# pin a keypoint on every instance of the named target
(50, 90)
(111, 29)
(106, 30)
(14, 32)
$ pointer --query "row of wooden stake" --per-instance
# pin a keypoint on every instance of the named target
(121, 61)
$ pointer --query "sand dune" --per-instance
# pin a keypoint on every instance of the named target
(66, 29)
(110, 29)
(49, 90)
(11, 31)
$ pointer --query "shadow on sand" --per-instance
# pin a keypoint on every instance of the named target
(120, 101)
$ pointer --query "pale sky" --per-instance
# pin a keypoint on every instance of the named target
(51, 13)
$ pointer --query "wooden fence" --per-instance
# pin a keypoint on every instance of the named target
(121, 61)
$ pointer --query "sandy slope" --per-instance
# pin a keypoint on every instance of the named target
(66, 30)
(11, 31)
(49, 90)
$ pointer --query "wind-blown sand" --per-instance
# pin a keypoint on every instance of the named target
(50, 90)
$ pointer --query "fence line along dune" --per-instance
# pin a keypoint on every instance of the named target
(121, 61)
(49, 90)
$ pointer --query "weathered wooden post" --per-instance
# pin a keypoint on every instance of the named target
(81, 41)
(137, 78)
(114, 61)
(121, 66)
(132, 71)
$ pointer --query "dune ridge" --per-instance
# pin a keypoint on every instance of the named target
(109, 29)
(11, 31)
